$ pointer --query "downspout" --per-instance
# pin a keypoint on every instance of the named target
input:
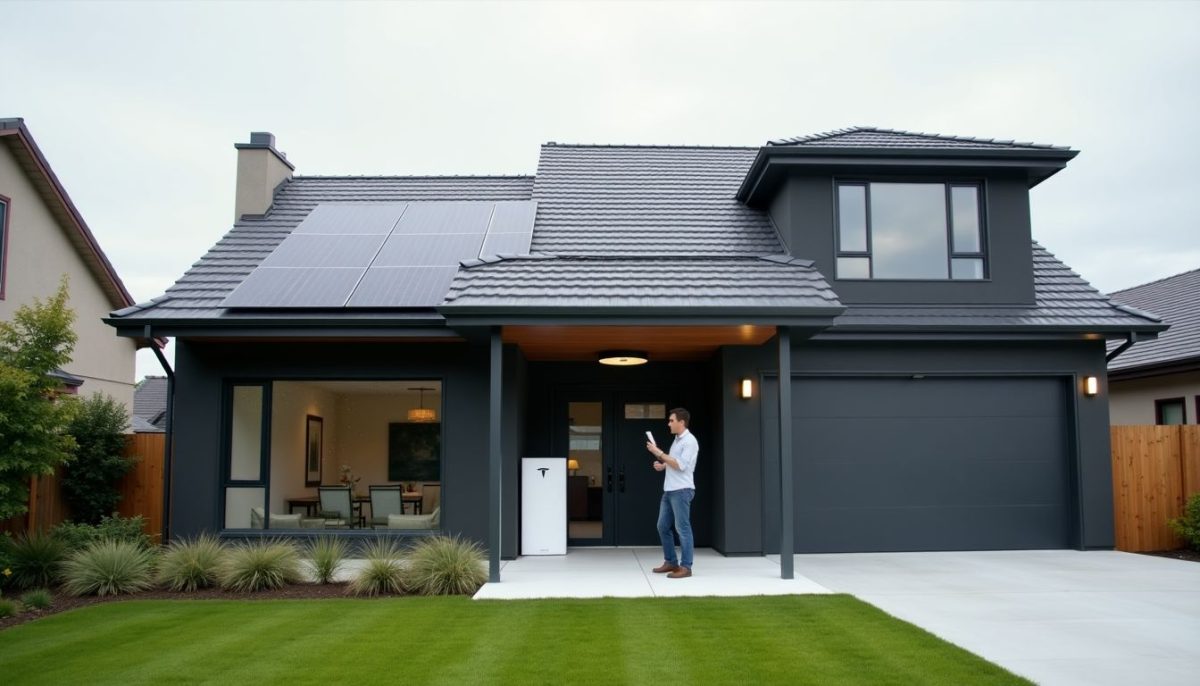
(167, 437)
(1130, 339)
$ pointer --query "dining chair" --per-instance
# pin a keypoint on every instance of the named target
(385, 500)
(336, 506)
(431, 496)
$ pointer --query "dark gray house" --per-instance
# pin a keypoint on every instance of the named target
(431, 331)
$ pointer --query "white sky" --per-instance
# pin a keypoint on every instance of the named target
(137, 106)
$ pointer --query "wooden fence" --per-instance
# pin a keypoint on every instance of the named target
(141, 491)
(1155, 469)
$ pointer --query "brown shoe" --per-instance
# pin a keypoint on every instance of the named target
(666, 567)
(680, 573)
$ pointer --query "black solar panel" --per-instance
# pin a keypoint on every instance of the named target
(325, 251)
(445, 217)
(349, 218)
(428, 250)
(403, 287)
(275, 287)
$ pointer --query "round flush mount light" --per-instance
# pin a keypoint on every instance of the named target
(623, 358)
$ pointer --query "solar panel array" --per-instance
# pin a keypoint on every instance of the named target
(383, 254)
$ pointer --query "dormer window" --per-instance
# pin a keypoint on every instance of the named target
(910, 231)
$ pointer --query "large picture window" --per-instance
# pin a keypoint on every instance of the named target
(910, 231)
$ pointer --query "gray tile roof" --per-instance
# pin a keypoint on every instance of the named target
(542, 281)
(629, 200)
(871, 137)
(141, 426)
(1177, 300)
(150, 400)
(199, 292)
(1063, 300)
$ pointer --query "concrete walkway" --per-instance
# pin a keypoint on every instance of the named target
(1055, 617)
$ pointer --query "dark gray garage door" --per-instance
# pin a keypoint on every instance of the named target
(934, 463)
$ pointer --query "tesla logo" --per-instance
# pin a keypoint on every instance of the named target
(543, 470)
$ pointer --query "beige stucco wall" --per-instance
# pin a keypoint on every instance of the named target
(39, 253)
(292, 402)
(1132, 402)
(363, 439)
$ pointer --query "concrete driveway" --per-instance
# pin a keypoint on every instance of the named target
(1055, 617)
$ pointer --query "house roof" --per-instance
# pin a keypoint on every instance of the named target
(142, 426)
(150, 400)
(1177, 300)
(871, 137)
(15, 135)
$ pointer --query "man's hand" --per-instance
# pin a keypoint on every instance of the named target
(658, 466)
(652, 448)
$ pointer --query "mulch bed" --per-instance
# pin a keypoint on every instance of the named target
(64, 602)
(1182, 554)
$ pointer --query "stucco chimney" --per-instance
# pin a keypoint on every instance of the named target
(260, 170)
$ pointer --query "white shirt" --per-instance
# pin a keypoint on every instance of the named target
(685, 449)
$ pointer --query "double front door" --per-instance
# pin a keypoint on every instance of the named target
(613, 491)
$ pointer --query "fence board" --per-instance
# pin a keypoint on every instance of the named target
(1154, 468)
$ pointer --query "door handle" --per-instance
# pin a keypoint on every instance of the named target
(621, 480)
(609, 479)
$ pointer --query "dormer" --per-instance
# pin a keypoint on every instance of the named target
(893, 217)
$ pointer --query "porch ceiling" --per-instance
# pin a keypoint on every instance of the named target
(663, 343)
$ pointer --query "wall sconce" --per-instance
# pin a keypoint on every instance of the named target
(1091, 386)
(747, 390)
(572, 466)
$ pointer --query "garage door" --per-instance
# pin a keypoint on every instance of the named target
(933, 463)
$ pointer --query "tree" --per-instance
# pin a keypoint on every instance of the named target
(33, 439)
(90, 479)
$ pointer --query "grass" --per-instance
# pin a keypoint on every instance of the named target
(454, 640)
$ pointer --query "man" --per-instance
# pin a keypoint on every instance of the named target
(675, 510)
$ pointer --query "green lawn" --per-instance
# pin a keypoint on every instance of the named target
(787, 639)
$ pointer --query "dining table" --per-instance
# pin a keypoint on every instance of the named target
(310, 503)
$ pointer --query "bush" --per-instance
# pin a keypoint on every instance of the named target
(260, 565)
(445, 565)
(189, 565)
(38, 599)
(383, 573)
(1188, 526)
(7, 608)
(328, 555)
(109, 568)
(35, 559)
(89, 480)
(78, 536)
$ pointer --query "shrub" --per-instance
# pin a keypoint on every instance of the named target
(1188, 526)
(260, 565)
(384, 571)
(38, 599)
(78, 536)
(188, 565)
(89, 481)
(7, 608)
(35, 559)
(328, 555)
(445, 565)
(109, 568)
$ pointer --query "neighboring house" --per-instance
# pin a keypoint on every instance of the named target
(437, 329)
(150, 405)
(1158, 381)
(43, 237)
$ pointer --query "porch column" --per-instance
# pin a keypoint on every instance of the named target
(786, 545)
(497, 367)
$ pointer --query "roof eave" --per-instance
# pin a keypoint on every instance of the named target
(622, 316)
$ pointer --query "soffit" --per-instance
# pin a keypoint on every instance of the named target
(661, 343)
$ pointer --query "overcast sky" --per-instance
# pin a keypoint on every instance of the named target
(137, 106)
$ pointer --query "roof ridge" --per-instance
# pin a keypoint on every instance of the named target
(360, 177)
(915, 134)
(639, 257)
(1151, 283)
(665, 146)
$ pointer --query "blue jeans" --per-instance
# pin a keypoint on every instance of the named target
(675, 514)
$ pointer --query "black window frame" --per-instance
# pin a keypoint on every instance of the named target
(1162, 402)
(948, 185)
(263, 481)
(5, 211)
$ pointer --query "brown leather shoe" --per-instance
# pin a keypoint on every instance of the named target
(666, 567)
(680, 573)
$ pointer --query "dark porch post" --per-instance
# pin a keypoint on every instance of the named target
(786, 544)
(494, 457)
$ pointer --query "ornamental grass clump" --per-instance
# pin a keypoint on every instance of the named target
(35, 560)
(328, 556)
(7, 608)
(383, 572)
(187, 565)
(445, 565)
(109, 568)
(260, 566)
(37, 599)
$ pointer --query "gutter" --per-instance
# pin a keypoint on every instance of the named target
(1130, 339)
(168, 438)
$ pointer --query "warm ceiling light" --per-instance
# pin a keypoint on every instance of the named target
(623, 358)
(422, 414)
(1091, 385)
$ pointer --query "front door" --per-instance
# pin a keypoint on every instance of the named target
(613, 491)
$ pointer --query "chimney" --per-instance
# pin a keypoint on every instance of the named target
(260, 170)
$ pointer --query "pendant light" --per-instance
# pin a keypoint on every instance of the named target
(422, 414)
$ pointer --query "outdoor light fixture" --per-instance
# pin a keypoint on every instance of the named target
(623, 358)
(573, 466)
(422, 414)
(747, 389)
(1091, 386)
